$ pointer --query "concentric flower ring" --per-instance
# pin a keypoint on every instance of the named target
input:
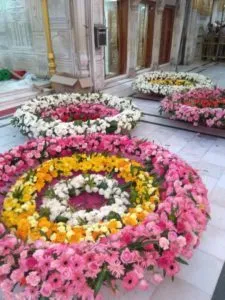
(166, 83)
(67, 114)
(159, 239)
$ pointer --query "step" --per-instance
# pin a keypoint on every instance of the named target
(16, 99)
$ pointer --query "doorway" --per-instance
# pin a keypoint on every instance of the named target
(116, 21)
(146, 19)
(166, 34)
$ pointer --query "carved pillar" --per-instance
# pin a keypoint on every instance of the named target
(51, 57)
(160, 4)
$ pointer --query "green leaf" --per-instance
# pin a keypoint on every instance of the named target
(125, 186)
(112, 128)
(133, 195)
(103, 185)
(100, 279)
(44, 212)
(18, 192)
(61, 219)
(72, 192)
(113, 215)
(181, 260)
(50, 193)
(77, 123)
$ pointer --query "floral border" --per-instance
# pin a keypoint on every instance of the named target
(142, 84)
(166, 238)
(208, 116)
(28, 117)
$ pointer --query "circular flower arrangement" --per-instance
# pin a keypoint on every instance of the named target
(166, 83)
(67, 114)
(82, 211)
(200, 106)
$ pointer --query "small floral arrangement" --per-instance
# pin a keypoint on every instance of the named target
(67, 114)
(199, 107)
(166, 83)
(153, 209)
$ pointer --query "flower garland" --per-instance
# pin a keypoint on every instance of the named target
(163, 239)
(200, 106)
(67, 114)
(166, 83)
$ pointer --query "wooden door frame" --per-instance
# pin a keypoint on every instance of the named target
(123, 10)
(122, 23)
(173, 10)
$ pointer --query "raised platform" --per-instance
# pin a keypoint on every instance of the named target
(151, 97)
(166, 122)
(14, 93)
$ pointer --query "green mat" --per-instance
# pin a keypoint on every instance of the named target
(5, 74)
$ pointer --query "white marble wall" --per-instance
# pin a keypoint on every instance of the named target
(22, 41)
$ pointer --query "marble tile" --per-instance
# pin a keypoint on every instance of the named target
(217, 216)
(209, 181)
(215, 157)
(213, 241)
(217, 195)
(178, 290)
(209, 169)
(201, 264)
(124, 295)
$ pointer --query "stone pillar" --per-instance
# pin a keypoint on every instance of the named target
(177, 32)
(98, 54)
(192, 35)
(160, 4)
(133, 37)
(81, 48)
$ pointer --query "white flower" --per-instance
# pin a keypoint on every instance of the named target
(58, 206)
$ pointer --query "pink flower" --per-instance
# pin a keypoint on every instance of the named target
(33, 279)
(46, 289)
(78, 278)
(172, 236)
(31, 262)
(157, 278)
(143, 285)
(55, 280)
(130, 280)
(116, 268)
(5, 269)
(6, 285)
(17, 276)
(93, 268)
(2, 229)
(126, 256)
(172, 269)
(181, 241)
(164, 243)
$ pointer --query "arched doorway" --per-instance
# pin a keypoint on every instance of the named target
(146, 18)
(116, 21)
(166, 34)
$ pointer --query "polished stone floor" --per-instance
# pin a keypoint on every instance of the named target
(205, 153)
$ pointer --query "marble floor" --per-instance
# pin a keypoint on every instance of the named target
(207, 154)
